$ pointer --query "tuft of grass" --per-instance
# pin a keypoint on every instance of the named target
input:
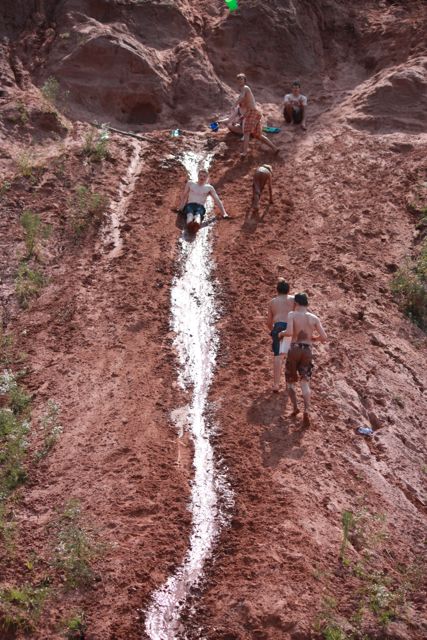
(326, 622)
(21, 607)
(34, 231)
(26, 164)
(347, 522)
(409, 287)
(333, 632)
(86, 209)
(18, 399)
(50, 90)
(6, 348)
(51, 429)
(77, 548)
(96, 145)
(14, 429)
(4, 187)
(13, 446)
(75, 627)
(28, 284)
(23, 113)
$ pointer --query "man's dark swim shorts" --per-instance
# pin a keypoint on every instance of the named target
(194, 208)
(299, 362)
(277, 328)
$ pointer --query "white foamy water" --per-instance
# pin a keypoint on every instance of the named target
(193, 321)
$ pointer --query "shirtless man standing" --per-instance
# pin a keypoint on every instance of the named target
(277, 318)
(262, 176)
(251, 117)
(194, 198)
(301, 326)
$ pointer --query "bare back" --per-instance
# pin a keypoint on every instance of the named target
(304, 324)
(280, 307)
(262, 176)
(246, 100)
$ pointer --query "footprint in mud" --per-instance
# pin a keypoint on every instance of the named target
(266, 409)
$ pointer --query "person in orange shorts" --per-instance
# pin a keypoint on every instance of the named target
(302, 328)
(251, 117)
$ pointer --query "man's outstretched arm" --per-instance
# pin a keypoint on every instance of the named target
(218, 202)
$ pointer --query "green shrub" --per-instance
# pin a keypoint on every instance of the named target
(75, 627)
(20, 607)
(51, 429)
(4, 188)
(96, 145)
(26, 164)
(13, 446)
(34, 231)
(86, 209)
(409, 286)
(28, 284)
(50, 90)
(76, 549)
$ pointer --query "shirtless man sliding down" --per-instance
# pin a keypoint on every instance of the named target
(251, 117)
(301, 326)
(277, 318)
(194, 199)
(262, 176)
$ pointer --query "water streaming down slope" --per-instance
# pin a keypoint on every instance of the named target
(193, 314)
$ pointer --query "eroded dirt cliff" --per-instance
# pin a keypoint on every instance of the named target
(96, 341)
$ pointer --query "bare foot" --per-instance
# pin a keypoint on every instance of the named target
(276, 389)
(295, 412)
(306, 420)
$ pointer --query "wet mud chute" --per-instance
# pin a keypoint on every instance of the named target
(193, 321)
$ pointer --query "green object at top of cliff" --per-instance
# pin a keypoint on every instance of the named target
(232, 4)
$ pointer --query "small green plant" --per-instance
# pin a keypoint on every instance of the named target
(51, 429)
(18, 398)
(13, 442)
(347, 521)
(21, 607)
(34, 231)
(23, 113)
(75, 627)
(409, 286)
(28, 283)
(333, 632)
(86, 209)
(50, 90)
(326, 622)
(6, 347)
(4, 187)
(26, 164)
(96, 145)
(76, 549)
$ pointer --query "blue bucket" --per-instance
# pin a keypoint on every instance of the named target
(214, 126)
